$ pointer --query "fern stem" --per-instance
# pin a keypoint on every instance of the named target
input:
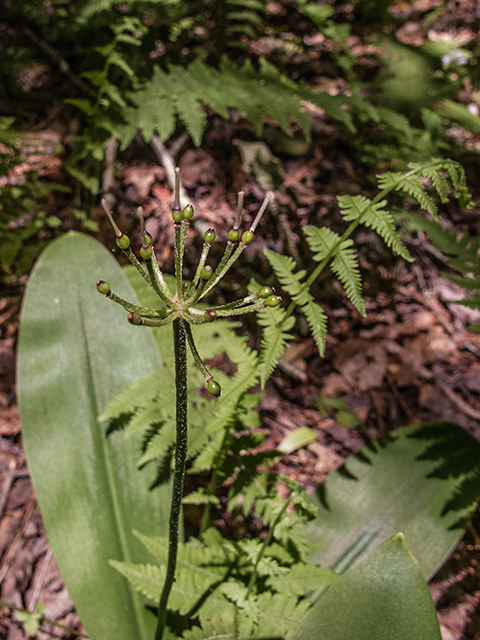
(180, 346)
(206, 517)
(348, 232)
(266, 542)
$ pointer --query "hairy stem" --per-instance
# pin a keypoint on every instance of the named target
(180, 345)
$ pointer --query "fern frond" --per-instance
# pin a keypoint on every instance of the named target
(134, 396)
(183, 92)
(188, 101)
(161, 442)
(145, 578)
(143, 417)
(465, 495)
(317, 321)
(321, 241)
(439, 183)
(375, 217)
(197, 577)
(410, 185)
(219, 630)
(275, 338)
(283, 266)
(279, 611)
(395, 120)
(472, 302)
(324, 243)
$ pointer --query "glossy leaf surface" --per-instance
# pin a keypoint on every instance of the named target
(77, 352)
(385, 597)
(385, 489)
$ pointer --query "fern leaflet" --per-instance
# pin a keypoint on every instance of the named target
(375, 217)
(317, 321)
(275, 338)
(283, 267)
(325, 243)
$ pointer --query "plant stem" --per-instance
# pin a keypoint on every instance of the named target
(266, 542)
(219, 273)
(73, 632)
(180, 346)
(206, 519)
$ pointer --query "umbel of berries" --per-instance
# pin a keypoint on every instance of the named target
(181, 304)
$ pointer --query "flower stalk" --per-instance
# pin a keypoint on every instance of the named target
(180, 310)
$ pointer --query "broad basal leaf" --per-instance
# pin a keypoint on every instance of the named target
(389, 487)
(76, 353)
(385, 597)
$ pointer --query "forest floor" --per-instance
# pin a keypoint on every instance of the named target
(412, 359)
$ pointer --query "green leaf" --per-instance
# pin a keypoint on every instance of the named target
(384, 597)
(460, 113)
(317, 321)
(386, 488)
(274, 339)
(77, 352)
(322, 241)
(348, 419)
(32, 619)
(89, 182)
(283, 267)
(410, 185)
(296, 439)
(302, 578)
(375, 217)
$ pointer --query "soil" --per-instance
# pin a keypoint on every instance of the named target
(412, 359)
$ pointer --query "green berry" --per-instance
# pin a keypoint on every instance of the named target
(233, 235)
(209, 236)
(123, 242)
(146, 252)
(214, 388)
(265, 292)
(177, 215)
(273, 301)
(147, 239)
(135, 318)
(206, 272)
(188, 212)
(247, 236)
(103, 287)
(210, 316)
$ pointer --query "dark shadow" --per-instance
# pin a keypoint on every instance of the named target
(119, 423)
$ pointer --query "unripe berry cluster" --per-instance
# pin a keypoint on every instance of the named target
(181, 304)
